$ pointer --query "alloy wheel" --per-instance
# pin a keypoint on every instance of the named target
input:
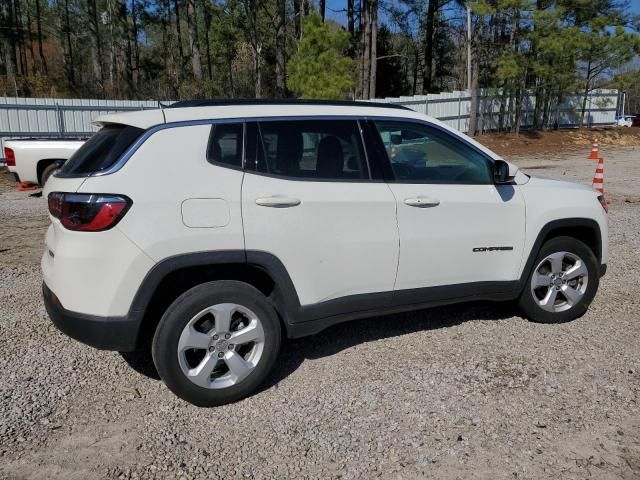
(559, 281)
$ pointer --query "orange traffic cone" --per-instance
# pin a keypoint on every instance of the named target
(594, 150)
(26, 186)
(598, 179)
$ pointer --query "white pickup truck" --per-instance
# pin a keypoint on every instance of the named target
(35, 160)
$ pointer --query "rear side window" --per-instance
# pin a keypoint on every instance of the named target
(311, 149)
(225, 144)
(101, 151)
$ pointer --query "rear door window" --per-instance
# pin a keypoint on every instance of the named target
(101, 151)
(225, 144)
(310, 149)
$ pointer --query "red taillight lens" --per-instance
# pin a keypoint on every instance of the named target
(55, 204)
(88, 212)
(9, 157)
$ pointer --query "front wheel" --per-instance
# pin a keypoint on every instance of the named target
(563, 282)
(216, 343)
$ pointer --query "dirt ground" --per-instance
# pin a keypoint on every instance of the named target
(465, 391)
(528, 143)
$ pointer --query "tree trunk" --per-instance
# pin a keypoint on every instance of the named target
(281, 60)
(350, 20)
(7, 36)
(69, 64)
(475, 100)
(176, 7)
(136, 49)
(194, 40)
(365, 53)
(128, 51)
(585, 96)
(297, 20)
(535, 122)
(113, 67)
(22, 54)
(418, 72)
(428, 46)
(30, 37)
(373, 48)
(258, 71)
(323, 8)
(96, 45)
(43, 60)
(503, 106)
(207, 27)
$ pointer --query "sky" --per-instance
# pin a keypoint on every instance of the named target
(336, 10)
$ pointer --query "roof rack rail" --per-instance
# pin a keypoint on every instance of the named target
(275, 101)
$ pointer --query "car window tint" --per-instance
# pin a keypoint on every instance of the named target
(225, 144)
(101, 151)
(421, 153)
(314, 149)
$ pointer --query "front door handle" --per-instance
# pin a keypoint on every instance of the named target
(422, 202)
(278, 201)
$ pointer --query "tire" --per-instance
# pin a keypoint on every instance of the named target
(47, 172)
(567, 256)
(209, 317)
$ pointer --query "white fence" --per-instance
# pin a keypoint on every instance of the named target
(453, 108)
(57, 118)
(66, 118)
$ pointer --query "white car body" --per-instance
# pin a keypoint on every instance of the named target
(335, 249)
(624, 121)
(32, 157)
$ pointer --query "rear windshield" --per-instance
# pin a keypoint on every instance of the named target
(101, 151)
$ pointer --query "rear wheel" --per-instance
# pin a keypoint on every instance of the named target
(47, 172)
(216, 343)
(563, 282)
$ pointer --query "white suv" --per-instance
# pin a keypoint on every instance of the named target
(211, 230)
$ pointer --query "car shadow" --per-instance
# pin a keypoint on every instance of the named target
(356, 332)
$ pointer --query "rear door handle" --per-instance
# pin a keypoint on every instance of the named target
(278, 201)
(422, 202)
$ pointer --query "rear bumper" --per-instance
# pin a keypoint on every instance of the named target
(105, 333)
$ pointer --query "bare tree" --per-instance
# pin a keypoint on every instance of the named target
(43, 60)
(281, 46)
(194, 40)
(96, 44)
(373, 65)
(7, 36)
(176, 6)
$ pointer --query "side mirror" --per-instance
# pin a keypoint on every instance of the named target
(503, 172)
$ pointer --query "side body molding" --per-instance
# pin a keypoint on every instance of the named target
(301, 320)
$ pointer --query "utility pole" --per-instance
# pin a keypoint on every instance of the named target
(469, 48)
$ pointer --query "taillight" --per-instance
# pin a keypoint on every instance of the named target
(88, 212)
(9, 157)
(603, 202)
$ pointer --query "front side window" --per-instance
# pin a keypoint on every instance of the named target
(101, 151)
(225, 144)
(311, 149)
(427, 155)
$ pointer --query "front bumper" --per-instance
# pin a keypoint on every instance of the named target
(105, 333)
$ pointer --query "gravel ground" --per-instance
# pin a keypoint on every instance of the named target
(468, 391)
